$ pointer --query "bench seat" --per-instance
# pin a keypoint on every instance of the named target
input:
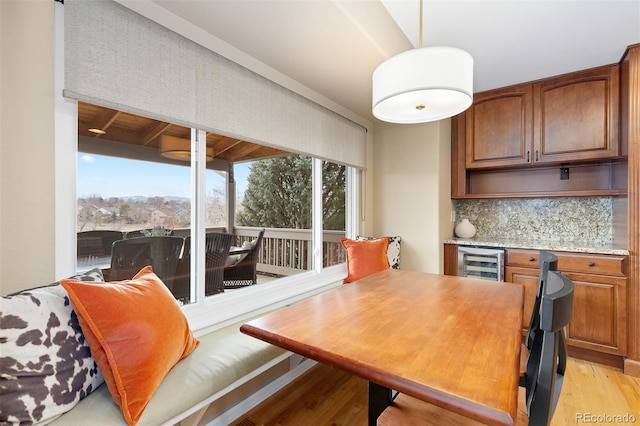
(224, 360)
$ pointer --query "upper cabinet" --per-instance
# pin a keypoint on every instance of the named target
(554, 137)
(566, 119)
(576, 116)
(499, 128)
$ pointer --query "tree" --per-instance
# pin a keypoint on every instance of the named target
(333, 205)
(279, 194)
(124, 211)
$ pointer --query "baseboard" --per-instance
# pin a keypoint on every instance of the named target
(593, 356)
(235, 412)
(632, 367)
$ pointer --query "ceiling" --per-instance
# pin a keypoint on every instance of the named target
(333, 46)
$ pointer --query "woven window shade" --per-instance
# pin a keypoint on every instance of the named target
(119, 59)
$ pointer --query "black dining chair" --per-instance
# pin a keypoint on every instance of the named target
(548, 262)
(129, 256)
(544, 373)
(217, 245)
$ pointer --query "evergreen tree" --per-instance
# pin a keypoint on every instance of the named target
(278, 194)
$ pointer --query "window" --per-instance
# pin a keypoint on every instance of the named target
(92, 76)
(129, 186)
(278, 196)
(334, 209)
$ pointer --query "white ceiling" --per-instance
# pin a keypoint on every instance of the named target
(333, 46)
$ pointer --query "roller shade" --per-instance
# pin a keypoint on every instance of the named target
(119, 59)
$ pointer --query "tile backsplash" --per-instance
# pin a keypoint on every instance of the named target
(551, 219)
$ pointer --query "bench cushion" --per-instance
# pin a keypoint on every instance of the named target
(223, 357)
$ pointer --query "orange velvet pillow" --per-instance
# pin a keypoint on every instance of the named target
(136, 332)
(365, 257)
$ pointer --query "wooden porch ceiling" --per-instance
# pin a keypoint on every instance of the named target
(136, 130)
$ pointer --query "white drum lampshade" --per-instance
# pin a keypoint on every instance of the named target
(422, 85)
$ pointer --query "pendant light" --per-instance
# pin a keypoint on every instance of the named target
(179, 149)
(423, 84)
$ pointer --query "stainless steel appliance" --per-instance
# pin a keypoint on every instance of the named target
(481, 262)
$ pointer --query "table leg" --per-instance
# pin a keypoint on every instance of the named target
(380, 397)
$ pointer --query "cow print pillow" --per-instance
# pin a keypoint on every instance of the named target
(45, 364)
(393, 251)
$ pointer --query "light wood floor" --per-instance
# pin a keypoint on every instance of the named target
(326, 396)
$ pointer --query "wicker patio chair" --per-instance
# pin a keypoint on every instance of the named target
(131, 255)
(96, 243)
(244, 272)
(216, 252)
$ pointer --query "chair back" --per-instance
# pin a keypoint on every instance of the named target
(244, 273)
(216, 253)
(548, 262)
(131, 255)
(217, 245)
(96, 243)
(548, 356)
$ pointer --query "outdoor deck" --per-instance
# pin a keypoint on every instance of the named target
(283, 252)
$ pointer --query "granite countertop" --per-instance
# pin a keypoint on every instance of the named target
(573, 246)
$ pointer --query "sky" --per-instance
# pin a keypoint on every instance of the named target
(117, 177)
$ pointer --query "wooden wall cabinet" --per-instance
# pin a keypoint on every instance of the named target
(566, 119)
(499, 128)
(599, 320)
(577, 116)
(514, 141)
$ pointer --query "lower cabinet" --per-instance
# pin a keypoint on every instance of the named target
(599, 315)
(528, 278)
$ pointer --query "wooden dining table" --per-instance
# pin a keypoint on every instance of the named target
(451, 341)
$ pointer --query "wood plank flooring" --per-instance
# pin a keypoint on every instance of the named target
(327, 396)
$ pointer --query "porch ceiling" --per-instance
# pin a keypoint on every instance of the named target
(136, 130)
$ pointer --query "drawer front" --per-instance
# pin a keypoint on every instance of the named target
(523, 258)
(592, 264)
(599, 264)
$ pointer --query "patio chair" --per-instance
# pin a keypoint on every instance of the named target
(130, 255)
(244, 272)
(96, 243)
(217, 247)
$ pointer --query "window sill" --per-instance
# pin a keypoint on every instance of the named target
(227, 308)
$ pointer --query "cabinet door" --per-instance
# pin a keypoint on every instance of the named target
(499, 128)
(528, 278)
(576, 116)
(599, 313)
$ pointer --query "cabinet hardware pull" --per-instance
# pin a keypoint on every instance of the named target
(531, 259)
(592, 264)
(536, 155)
(528, 160)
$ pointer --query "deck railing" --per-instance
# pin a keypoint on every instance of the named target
(289, 251)
(283, 251)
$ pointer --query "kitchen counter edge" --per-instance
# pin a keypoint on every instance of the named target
(539, 245)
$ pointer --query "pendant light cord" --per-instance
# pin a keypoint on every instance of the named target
(420, 26)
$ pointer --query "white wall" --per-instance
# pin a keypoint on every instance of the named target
(27, 175)
(412, 190)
